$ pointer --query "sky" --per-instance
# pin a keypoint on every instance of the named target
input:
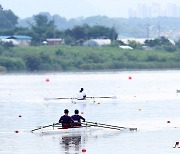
(78, 8)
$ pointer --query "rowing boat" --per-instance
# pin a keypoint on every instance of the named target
(87, 126)
(84, 101)
(60, 130)
(78, 130)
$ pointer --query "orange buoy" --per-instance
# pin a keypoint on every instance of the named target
(83, 150)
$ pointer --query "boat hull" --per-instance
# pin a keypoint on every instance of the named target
(86, 101)
(67, 130)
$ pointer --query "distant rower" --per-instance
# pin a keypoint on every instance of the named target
(81, 95)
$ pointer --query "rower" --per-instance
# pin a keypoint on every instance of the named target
(66, 120)
(81, 95)
(77, 119)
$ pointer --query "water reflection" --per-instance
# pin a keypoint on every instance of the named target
(72, 143)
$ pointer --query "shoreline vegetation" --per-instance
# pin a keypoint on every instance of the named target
(65, 58)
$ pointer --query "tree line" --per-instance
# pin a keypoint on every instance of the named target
(44, 28)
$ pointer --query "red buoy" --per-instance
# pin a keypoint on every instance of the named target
(129, 77)
(20, 116)
(168, 122)
(16, 131)
(83, 150)
(47, 80)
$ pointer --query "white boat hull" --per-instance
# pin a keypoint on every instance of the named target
(86, 101)
(56, 130)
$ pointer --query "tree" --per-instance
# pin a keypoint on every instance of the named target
(42, 21)
(86, 32)
(42, 29)
(178, 44)
(8, 19)
(157, 42)
(161, 43)
(134, 44)
(102, 32)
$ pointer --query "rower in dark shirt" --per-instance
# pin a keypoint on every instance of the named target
(77, 119)
(67, 121)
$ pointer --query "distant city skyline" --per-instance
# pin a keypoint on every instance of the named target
(86, 8)
(154, 10)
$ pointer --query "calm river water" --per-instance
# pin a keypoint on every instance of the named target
(146, 100)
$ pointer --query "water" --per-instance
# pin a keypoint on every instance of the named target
(147, 102)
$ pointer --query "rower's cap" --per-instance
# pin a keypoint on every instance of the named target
(76, 111)
(66, 111)
(81, 89)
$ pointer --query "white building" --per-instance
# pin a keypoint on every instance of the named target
(17, 40)
(54, 41)
(97, 42)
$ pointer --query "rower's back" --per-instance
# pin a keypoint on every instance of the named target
(66, 120)
(77, 119)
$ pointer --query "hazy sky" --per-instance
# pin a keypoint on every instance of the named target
(78, 8)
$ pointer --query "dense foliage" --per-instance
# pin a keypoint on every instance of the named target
(78, 58)
(8, 19)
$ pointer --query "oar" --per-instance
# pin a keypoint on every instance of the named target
(110, 126)
(102, 126)
(44, 127)
(95, 123)
(58, 98)
(113, 97)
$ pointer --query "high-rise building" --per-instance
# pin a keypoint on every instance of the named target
(155, 10)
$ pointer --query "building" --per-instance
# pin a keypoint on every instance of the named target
(54, 41)
(97, 42)
(17, 40)
(139, 40)
(125, 47)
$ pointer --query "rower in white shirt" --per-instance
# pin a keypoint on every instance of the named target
(81, 95)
